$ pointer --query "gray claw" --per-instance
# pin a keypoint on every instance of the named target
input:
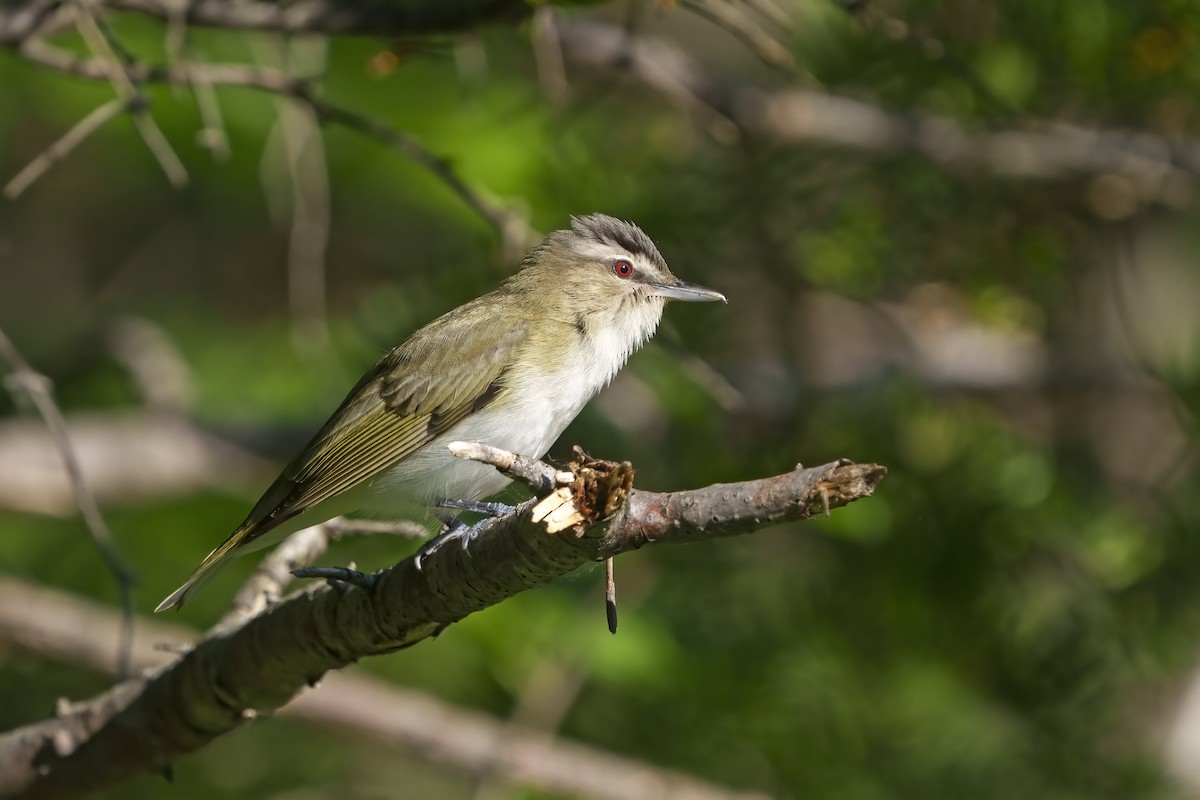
(336, 575)
(454, 530)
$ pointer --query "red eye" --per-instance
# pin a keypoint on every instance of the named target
(622, 268)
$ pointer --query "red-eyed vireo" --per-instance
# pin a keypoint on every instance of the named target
(510, 369)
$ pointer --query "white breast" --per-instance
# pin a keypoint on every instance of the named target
(544, 402)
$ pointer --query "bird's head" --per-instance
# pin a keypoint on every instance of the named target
(603, 271)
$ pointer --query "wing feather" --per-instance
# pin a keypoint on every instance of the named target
(447, 370)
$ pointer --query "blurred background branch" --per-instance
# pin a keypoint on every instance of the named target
(23, 381)
(66, 628)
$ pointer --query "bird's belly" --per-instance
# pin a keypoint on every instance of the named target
(527, 423)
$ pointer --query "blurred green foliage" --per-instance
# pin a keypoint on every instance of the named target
(1012, 616)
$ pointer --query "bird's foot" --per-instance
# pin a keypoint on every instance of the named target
(454, 530)
(487, 508)
(457, 529)
(338, 575)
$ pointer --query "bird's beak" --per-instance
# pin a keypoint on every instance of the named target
(681, 290)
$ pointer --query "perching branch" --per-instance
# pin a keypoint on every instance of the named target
(59, 626)
(223, 681)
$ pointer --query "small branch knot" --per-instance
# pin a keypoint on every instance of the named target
(600, 489)
(596, 490)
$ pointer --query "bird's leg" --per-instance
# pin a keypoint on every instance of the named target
(454, 529)
(338, 575)
(488, 509)
(457, 529)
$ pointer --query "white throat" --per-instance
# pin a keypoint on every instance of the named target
(560, 391)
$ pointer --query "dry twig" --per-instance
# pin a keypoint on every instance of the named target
(265, 587)
(741, 24)
(22, 378)
(514, 232)
(63, 147)
(105, 51)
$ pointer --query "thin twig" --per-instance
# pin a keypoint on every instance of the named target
(37, 387)
(158, 145)
(618, 48)
(308, 237)
(27, 20)
(548, 55)
(105, 51)
(341, 526)
(731, 18)
(511, 226)
(42, 53)
(62, 148)
(265, 587)
(499, 217)
(1159, 168)
(175, 38)
(513, 231)
(110, 36)
(331, 17)
(610, 595)
(541, 477)
(212, 136)
(774, 12)
(154, 364)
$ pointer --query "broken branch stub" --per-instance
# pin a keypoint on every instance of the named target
(599, 490)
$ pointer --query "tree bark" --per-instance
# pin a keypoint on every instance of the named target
(55, 625)
(235, 674)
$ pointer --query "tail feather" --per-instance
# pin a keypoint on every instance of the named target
(212, 565)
